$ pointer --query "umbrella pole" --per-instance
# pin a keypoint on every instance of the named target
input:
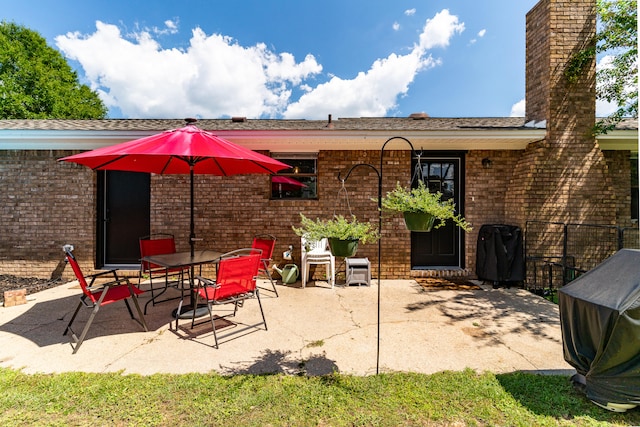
(192, 234)
(192, 240)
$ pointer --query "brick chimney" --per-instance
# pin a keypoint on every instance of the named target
(564, 177)
(555, 31)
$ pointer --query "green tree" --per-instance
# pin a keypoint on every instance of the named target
(36, 82)
(617, 38)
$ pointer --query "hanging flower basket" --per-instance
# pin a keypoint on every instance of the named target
(419, 221)
(343, 248)
(419, 201)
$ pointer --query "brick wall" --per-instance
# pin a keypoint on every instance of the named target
(43, 205)
(485, 201)
(619, 167)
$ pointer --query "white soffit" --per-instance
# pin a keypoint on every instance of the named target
(287, 141)
(295, 141)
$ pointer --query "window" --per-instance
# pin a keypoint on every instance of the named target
(299, 181)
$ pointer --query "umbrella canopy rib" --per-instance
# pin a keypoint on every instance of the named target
(107, 163)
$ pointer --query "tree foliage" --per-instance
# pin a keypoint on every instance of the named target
(36, 82)
(617, 40)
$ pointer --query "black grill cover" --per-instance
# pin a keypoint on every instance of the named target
(600, 321)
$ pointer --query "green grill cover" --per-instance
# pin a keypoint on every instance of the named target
(600, 321)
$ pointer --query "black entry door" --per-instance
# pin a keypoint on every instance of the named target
(440, 247)
(124, 206)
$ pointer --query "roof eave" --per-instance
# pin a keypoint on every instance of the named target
(315, 140)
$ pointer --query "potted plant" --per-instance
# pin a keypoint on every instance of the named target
(422, 208)
(343, 234)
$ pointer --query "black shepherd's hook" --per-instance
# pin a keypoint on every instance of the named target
(379, 173)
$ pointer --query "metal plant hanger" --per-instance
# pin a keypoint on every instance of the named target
(379, 172)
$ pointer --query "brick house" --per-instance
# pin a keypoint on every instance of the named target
(544, 166)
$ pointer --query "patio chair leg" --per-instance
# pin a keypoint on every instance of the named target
(153, 297)
(75, 313)
(140, 318)
(304, 274)
(193, 310)
(264, 321)
(268, 273)
(79, 341)
(213, 324)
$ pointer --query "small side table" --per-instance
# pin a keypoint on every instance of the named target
(358, 271)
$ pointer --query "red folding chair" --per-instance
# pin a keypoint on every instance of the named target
(158, 244)
(95, 296)
(266, 243)
(235, 282)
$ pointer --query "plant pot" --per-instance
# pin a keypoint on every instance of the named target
(343, 248)
(419, 221)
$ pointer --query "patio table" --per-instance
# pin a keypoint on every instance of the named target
(181, 260)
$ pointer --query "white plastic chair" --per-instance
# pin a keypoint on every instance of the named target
(317, 252)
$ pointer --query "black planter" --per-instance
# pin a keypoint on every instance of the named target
(419, 221)
(343, 248)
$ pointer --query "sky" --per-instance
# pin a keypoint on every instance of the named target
(290, 59)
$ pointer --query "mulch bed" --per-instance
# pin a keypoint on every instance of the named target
(9, 282)
(441, 283)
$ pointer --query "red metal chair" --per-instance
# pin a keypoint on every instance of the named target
(266, 243)
(95, 296)
(235, 282)
(158, 244)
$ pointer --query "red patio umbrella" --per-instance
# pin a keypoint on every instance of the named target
(287, 182)
(282, 183)
(180, 151)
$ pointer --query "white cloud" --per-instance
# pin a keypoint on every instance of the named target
(518, 109)
(439, 30)
(410, 12)
(216, 77)
(374, 93)
(370, 94)
(145, 80)
(395, 26)
(170, 27)
(482, 32)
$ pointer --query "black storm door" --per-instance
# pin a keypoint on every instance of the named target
(441, 247)
(124, 206)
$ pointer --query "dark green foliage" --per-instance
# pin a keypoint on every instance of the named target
(36, 82)
(618, 37)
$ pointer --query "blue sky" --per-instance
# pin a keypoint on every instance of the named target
(290, 59)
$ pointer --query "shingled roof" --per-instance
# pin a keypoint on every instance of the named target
(240, 123)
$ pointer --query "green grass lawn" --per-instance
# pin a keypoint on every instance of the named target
(402, 399)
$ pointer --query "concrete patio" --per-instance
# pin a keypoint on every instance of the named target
(312, 331)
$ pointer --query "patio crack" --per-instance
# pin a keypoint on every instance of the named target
(133, 349)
